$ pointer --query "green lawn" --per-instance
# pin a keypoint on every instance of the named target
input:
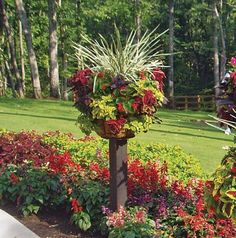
(184, 128)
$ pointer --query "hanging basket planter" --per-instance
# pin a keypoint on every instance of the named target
(107, 131)
(119, 89)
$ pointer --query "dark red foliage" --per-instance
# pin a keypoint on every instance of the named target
(115, 126)
(14, 179)
(149, 98)
(159, 75)
(80, 78)
(16, 148)
(137, 104)
(233, 77)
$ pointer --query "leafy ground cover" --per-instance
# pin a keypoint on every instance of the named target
(183, 128)
(159, 204)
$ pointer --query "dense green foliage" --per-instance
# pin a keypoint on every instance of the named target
(193, 28)
(180, 165)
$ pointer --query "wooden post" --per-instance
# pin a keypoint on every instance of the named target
(118, 172)
(198, 102)
(186, 103)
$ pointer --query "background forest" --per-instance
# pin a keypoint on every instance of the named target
(37, 57)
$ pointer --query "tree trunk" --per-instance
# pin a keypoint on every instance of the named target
(53, 49)
(222, 36)
(32, 57)
(22, 56)
(78, 21)
(63, 59)
(216, 51)
(12, 49)
(171, 49)
(9, 78)
(137, 19)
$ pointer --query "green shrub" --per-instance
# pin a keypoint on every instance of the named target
(32, 188)
(181, 165)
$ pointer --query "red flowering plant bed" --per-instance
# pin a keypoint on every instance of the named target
(158, 205)
(120, 87)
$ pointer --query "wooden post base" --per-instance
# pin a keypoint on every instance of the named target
(118, 172)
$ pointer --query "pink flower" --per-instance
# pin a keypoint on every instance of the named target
(233, 61)
(117, 219)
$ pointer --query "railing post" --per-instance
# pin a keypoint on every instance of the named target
(118, 172)
(186, 103)
(198, 102)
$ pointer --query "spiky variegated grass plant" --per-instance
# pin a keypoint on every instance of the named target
(121, 59)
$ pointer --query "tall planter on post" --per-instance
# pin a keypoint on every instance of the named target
(118, 91)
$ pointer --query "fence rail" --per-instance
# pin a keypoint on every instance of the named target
(199, 102)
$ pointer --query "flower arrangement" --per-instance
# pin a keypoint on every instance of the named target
(231, 76)
(120, 87)
(220, 192)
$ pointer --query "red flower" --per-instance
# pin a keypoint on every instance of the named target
(233, 77)
(115, 126)
(120, 107)
(140, 216)
(158, 76)
(149, 98)
(102, 174)
(13, 178)
(75, 206)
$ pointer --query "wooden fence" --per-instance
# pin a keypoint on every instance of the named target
(199, 102)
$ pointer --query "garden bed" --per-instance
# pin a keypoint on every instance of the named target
(65, 182)
(48, 224)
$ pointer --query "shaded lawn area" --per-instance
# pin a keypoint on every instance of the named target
(183, 128)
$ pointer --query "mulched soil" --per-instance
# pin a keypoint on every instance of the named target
(48, 224)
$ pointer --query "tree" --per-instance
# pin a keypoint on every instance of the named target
(171, 49)
(22, 55)
(12, 48)
(53, 50)
(137, 19)
(222, 37)
(31, 54)
(216, 49)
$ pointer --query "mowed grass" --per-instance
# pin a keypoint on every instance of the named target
(184, 128)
